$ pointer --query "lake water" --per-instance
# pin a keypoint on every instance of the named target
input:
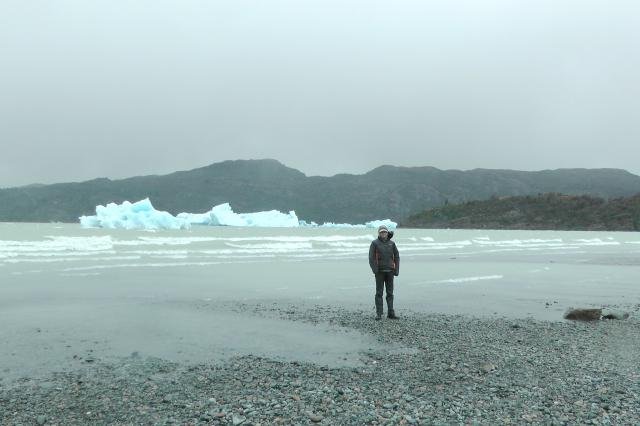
(455, 271)
(106, 290)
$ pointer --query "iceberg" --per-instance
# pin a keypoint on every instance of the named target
(138, 215)
(372, 224)
(223, 215)
(142, 215)
(376, 223)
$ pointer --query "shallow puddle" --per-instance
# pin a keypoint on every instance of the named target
(44, 338)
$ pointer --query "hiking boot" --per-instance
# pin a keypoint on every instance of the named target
(378, 317)
(392, 315)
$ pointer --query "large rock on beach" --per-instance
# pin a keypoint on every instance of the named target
(583, 314)
(594, 314)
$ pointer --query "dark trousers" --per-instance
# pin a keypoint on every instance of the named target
(384, 279)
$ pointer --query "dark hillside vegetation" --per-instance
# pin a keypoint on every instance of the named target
(544, 211)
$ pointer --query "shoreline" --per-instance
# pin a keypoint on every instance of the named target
(428, 369)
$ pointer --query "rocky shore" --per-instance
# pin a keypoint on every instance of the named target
(457, 370)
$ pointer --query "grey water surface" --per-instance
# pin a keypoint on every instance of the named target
(69, 294)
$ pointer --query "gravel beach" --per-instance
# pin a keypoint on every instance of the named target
(436, 369)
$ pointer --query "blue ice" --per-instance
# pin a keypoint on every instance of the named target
(142, 215)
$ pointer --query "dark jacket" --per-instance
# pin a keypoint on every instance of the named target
(384, 256)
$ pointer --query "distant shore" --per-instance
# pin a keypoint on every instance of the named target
(551, 211)
(434, 369)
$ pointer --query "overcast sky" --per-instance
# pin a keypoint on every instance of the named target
(120, 88)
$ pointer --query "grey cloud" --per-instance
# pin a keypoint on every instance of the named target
(114, 88)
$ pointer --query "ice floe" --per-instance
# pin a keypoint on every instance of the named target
(142, 215)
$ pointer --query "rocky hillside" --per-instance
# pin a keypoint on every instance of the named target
(544, 211)
(255, 185)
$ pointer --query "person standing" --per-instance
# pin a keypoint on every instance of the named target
(384, 261)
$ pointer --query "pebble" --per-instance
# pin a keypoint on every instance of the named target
(316, 418)
(238, 420)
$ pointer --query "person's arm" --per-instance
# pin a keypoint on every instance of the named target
(372, 257)
(396, 257)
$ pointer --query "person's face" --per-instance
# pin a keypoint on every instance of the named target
(383, 234)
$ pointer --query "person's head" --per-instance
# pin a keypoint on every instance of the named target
(383, 232)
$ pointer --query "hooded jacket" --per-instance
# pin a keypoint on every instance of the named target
(384, 256)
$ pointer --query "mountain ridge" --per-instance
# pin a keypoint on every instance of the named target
(253, 185)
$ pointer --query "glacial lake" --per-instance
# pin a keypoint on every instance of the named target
(65, 290)
(478, 272)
